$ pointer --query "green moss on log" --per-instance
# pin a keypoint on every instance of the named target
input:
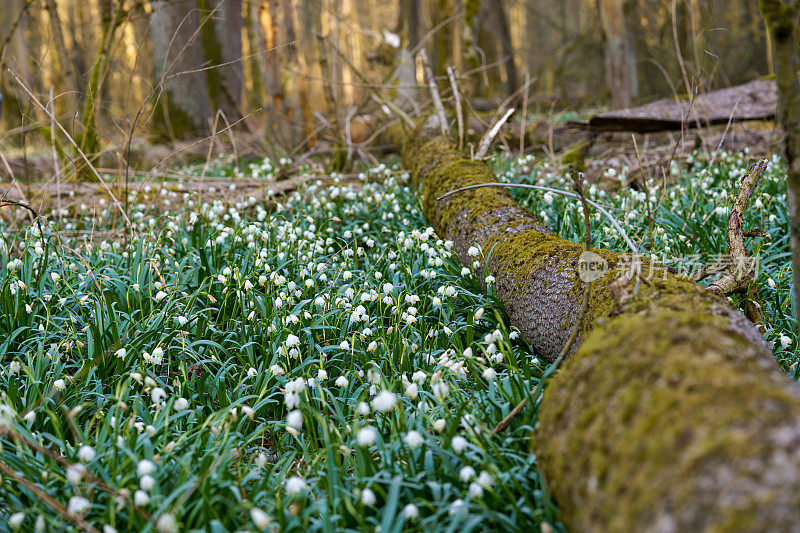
(671, 415)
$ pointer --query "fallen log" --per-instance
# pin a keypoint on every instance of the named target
(756, 100)
(671, 414)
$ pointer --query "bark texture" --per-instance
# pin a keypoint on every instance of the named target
(781, 17)
(183, 109)
(671, 415)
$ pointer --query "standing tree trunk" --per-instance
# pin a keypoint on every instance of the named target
(781, 17)
(620, 59)
(15, 53)
(68, 78)
(183, 106)
(222, 46)
(255, 95)
(502, 32)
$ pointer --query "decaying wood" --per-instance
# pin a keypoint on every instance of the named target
(756, 100)
(670, 415)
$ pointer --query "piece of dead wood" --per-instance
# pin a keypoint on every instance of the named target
(737, 268)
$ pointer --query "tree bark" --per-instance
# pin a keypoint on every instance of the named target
(183, 108)
(222, 47)
(620, 58)
(14, 51)
(670, 415)
(781, 17)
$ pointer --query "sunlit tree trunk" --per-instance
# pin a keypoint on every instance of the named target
(620, 59)
(183, 107)
(781, 17)
(15, 54)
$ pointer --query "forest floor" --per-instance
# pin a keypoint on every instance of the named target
(307, 356)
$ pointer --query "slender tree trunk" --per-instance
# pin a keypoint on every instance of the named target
(68, 78)
(256, 53)
(620, 60)
(502, 32)
(183, 107)
(781, 17)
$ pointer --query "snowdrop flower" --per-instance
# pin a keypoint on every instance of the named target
(475, 490)
(485, 479)
(55, 277)
(388, 288)
(414, 439)
(294, 419)
(167, 523)
(86, 454)
(294, 485)
(439, 425)
(785, 341)
(478, 314)
(344, 345)
(362, 408)
(341, 381)
(372, 346)
(145, 467)
(181, 404)
(75, 473)
(410, 512)
(158, 394)
(366, 436)
(489, 374)
(121, 353)
(14, 367)
(466, 473)
(384, 401)
(473, 251)
(260, 518)
(140, 498)
(412, 390)
(771, 283)
(368, 497)
(78, 505)
(292, 340)
(458, 507)
(160, 295)
(146, 483)
(59, 384)
(135, 287)
(106, 529)
(458, 443)
(16, 519)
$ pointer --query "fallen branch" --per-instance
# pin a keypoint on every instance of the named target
(486, 141)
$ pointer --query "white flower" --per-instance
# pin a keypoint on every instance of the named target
(366, 436)
(59, 384)
(412, 390)
(341, 381)
(86, 454)
(158, 394)
(160, 295)
(771, 283)
(145, 467)
(121, 353)
(55, 277)
(458, 507)
(16, 519)
(14, 367)
(78, 505)
(167, 523)
(489, 374)
(473, 251)
(388, 288)
(75, 473)
(485, 479)
(158, 355)
(368, 497)
(475, 490)
(478, 314)
(136, 287)
(108, 529)
(362, 408)
(181, 404)
(410, 511)
(140, 498)
(785, 341)
(260, 518)
(344, 345)
(294, 419)
(466, 473)
(414, 439)
(372, 346)
(384, 401)
(294, 485)
(458, 443)
(146, 483)
(439, 425)
(292, 340)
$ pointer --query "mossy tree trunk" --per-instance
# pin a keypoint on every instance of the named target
(671, 415)
(183, 107)
(781, 17)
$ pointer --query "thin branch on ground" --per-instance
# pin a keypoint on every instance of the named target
(486, 141)
(451, 74)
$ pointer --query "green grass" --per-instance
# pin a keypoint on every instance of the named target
(328, 365)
